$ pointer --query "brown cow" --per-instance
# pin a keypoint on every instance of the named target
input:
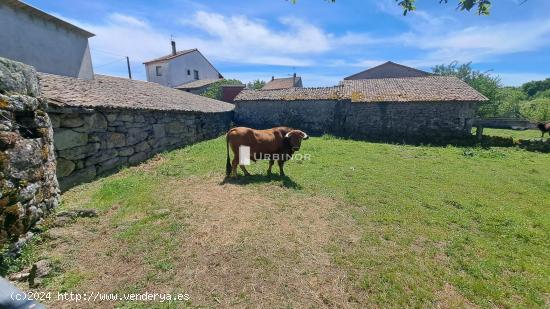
(544, 127)
(276, 144)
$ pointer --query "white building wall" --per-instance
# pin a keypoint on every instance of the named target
(176, 70)
(151, 72)
(48, 47)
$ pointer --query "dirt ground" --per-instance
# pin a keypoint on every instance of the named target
(240, 247)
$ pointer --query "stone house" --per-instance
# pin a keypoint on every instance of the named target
(388, 70)
(46, 42)
(414, 108)
(180, 68)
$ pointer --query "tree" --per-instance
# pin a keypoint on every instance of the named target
(511, 99)
(482, 7)
(536, 110)
(256, 84)
(534, 87)
(214, 91)
(485, 83)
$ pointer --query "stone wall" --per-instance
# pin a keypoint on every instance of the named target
(28, 184)
(315, 117)
(95, 142)
(385, 121)
(409, 121)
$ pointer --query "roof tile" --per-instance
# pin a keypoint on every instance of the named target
(408, 89)
(115, 92)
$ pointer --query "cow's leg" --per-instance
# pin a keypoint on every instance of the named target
(271, 162)
(281, 163)
(244, 170)
(234, 165)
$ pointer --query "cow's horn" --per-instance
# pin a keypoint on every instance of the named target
(287, 135)
(305, 136)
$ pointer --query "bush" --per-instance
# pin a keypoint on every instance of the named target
(510, 102)
(485, 83)
(214, 91)
(537, 110)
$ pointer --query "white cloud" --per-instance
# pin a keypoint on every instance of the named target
(240, 34)
(127, 20)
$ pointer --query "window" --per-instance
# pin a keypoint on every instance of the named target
(158, 70)
(188, 72)
(196, 74)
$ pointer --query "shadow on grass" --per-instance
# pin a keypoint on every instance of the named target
(534, 145)
(285, 181)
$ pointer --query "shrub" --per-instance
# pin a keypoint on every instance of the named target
(536, 110)
(214, 91)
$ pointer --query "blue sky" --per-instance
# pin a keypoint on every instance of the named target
(323, 42)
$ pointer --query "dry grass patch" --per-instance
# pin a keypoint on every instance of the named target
(238, 247)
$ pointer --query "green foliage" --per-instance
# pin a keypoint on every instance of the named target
(256, 84)
(510, 102)
(534, 87)
(485, 83)
(543, 94)
(482, 7)
(536, 110)
(214, 91)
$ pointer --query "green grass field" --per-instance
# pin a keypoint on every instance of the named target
(359, 224)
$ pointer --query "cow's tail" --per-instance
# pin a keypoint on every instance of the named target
(228, 163)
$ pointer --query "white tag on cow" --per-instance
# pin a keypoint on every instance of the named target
(244, 155)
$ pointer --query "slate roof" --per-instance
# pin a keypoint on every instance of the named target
(47, 17)
(283, 83)
(197, 84)
(388, 70)
(171, 56)
(409, 89)
(115, 92)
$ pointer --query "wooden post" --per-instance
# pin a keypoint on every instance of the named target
(479, 132)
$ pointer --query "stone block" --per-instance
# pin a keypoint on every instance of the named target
(101, 157)
(159, 131)
(67, 138)
(111, 117)
(95, 122)
(18, 77)
(77, 177)
(175, 127)
(79, 152)
(137, 158)
(113, 140)
(64, 167)
(142, 147)
(125, 117)
(111, 164)
(55, 119)
(135, 135)
(125, 152)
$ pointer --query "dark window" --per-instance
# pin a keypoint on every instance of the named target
(188, 72)
(158, 70)
(196, 74)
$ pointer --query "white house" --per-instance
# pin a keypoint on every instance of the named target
(181, 67)
(46, 42)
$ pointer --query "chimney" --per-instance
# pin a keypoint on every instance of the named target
(173, 47)
(272, 77)
(294, 79)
